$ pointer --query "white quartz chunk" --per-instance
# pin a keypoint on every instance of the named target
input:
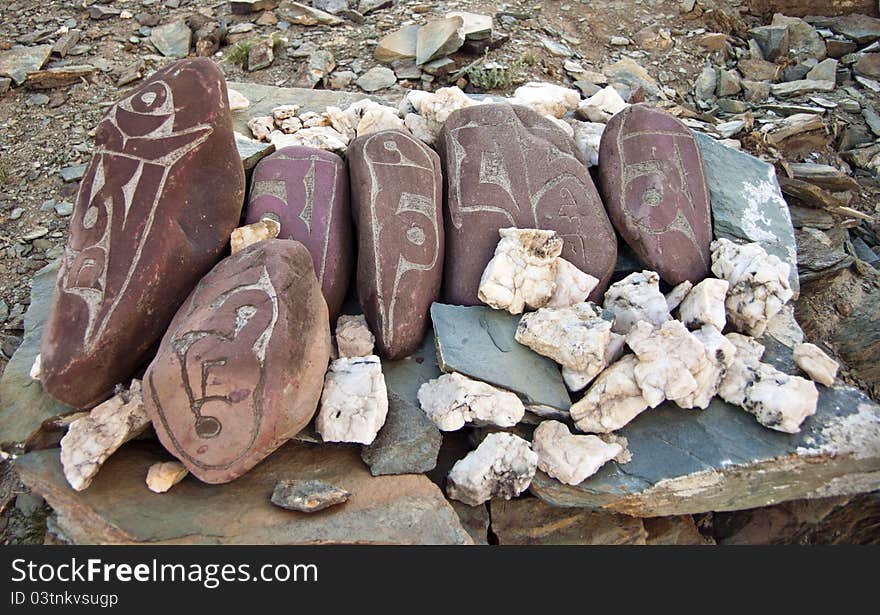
(570, 458)
(353, 336)
(815, 363)
(434, 109)
(675, 296)
(721, 354)
(572, 285)
(602, 105)
(635, 298)
(576, 380)
(522, 273)
(354, 403)
(502, 465)
(250, 234)
(452, 400)
(163, 475)
(613, 401)
(704, 305)
(546, 98)
(759, 284)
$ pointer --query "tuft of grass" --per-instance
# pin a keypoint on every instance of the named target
(491, 76)
(238, 53)
(3, 174)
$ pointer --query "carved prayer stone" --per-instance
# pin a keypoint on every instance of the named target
(654, 185)
(307, 190)
(397, 196)
(155, 208)
(505, 165)
(242, 365)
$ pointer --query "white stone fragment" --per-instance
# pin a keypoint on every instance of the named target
(92, 439)
(362, 118)
(290, 125)
(247, 235)
(164, 475)
(353, 336)
(237, 100)
(759, 284)
(575, 337)
(587, 136)
(452, 400)
(435, 109)
(565, 126)
(721, 353)
(570, 459)
(602, 105)
(523, 271)
(572, 285)
(354, 403)
(675, 296)
(635, 298)
(37, 368)
(502, 465)
(613, 401)
(778, 401)
(704, 305)
(321, 137)
(419, 127)
(546, 98)
(379, 118)
(817, 365)
(261, 127)
(670, 361)
(283, 112)
(576, 380)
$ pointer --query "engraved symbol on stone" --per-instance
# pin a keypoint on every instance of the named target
(309, 184)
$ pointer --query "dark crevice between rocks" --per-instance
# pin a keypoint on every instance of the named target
(491, 536)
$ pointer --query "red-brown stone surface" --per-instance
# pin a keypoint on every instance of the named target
(396, 199)
(153, 214)
(241, 368)
(307, 189)
(505, 165)
(653, 183)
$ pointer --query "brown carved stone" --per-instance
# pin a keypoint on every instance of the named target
(307, 189)
(241, 368)
(397, 192)
(653, 182)
(505, 165)
(153, 214)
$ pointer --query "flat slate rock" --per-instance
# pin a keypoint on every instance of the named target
(118, 508)
(163, 191)
(654, 186)
(19, 61)
(505, 165)
(479, 342)
(747, 203)
(24, 405)
(409, 442)
(721, 458)
(241, 368)
(397, 205)
(307, 189)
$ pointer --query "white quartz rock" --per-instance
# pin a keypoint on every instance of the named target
(670, 361)
(704, 305)
(163, 475)
(502, 465)
(237, 100)
(546, 98)
(572, 285)
(37, 368)
(261, 127)
(92, 439)
(321, 137)
(635, 298)
(354, 403)
(435, 108)
(353, 336)
(602, 105)
(523, 271)
(569, 458)
(759, 284)
(613, 401)
(419, 127)
(362, 118)
(817, 365)
(283, 112)
(675, 296)
(576, 380)
(587, 136)
(721, 353)
(575, 337)
(247, 235)
(778, 401)
(452, 400)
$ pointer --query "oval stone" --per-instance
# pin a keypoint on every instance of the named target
(161, 195)
(307, 190)
(654, 184)
(505, 165)
(241, 368)
(396, 199)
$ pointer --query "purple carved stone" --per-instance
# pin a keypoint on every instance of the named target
(653, 182)
(154, 211)
(241, 368)
(397, 192)
(307, 189)
(505, 165)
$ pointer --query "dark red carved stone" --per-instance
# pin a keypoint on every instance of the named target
(654, 184)
(397, 192)
(153, 214)
(505, 165)
(307, 188)
(241, 368)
